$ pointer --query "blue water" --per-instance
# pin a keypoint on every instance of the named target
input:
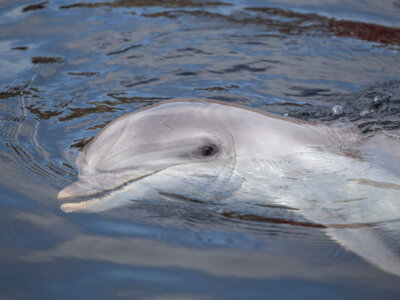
(68, 68)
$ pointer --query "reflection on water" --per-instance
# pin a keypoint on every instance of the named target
(68, 68)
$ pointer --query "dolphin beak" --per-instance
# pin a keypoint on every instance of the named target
(96, 185)
(77, 189)
(89, 186)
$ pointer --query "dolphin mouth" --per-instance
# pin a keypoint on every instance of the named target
(98, 186)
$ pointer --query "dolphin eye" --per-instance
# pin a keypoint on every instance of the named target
(208, 150)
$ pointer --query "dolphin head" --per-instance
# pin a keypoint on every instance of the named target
(209, 150)
(158, 148)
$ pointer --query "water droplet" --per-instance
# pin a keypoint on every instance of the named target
(378, 100)
(365, 113)
(337, 110)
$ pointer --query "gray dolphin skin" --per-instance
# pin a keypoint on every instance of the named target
(216, 152)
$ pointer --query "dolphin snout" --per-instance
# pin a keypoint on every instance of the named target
(100, 184)
(77, 189)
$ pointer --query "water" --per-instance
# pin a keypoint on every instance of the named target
(68, 68)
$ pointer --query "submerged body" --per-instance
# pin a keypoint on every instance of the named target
(215, 152)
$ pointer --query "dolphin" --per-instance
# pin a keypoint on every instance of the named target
(217, 152)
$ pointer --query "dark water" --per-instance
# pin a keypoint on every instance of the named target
(68, 68)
